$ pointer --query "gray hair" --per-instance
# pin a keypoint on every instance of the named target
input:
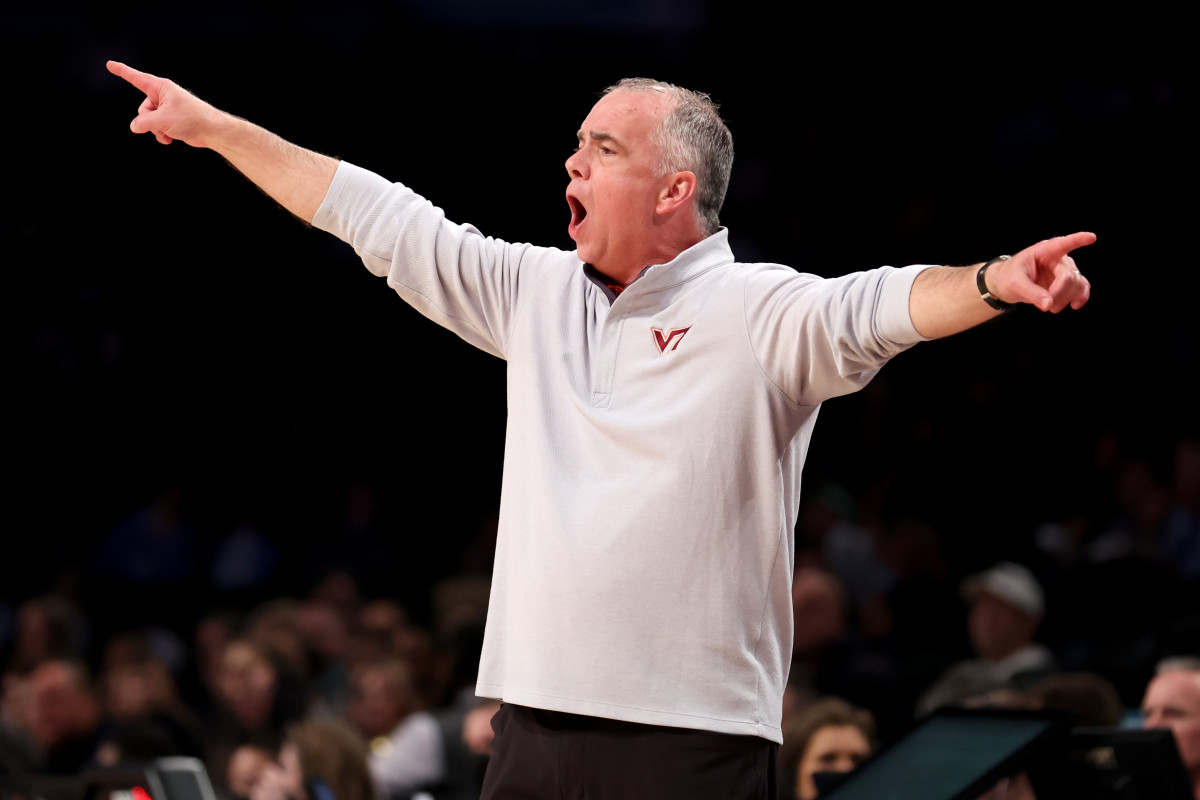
(1178, 664)
(692, 137)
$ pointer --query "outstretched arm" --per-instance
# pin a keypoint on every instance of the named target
(296, 178)
(946, 300)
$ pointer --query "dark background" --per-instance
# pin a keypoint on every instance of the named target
(168, 325)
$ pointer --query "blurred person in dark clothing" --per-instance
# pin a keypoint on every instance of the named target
(16, 714)
(65, 719)
(47, 627)
(1179, 545)
(140, 694)
(257, 697)
(1088, 697)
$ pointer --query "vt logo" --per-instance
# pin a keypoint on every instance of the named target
(670, 340)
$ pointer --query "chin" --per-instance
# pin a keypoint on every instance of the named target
(585, 253)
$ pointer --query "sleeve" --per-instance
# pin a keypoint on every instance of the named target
(450, 273)
(818, 338)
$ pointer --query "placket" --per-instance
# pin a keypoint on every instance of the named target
(604, 366)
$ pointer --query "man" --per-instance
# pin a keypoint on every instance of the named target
(661, 398)
(1173, 701)
(67, 718)
(1006, 607)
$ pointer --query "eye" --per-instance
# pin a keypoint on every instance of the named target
(608, 151)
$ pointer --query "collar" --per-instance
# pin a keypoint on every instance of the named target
(710, 252)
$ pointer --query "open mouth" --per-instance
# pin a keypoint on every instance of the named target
(578, 214)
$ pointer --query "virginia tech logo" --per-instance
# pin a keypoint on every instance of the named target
(667, 342)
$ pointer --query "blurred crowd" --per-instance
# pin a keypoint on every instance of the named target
(330, 687)
(335, 689)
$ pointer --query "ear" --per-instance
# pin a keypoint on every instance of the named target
(677, 192)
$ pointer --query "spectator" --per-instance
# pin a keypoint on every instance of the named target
(327, 639)
(1006, 607)
(1173, 701)
(321, 759)
(257, 697)
(1088, 698)
(18, 754)
(829, 735)
(467, 734)
(155, 546)
(246, 765)
(1180, 545)
(65, 716)
(407, 751)
(47, 627)
(820, 622)
(16, 719)
(140, 695)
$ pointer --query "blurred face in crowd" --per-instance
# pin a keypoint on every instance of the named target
(997, 629)
(833, 748)
(818, 611)
(245, 767)
(246, 681)
(33, 632)
(137, 690)
(62, 709)
(1173, 701)
(376, 702)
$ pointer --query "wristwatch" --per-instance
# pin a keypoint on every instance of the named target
(981, 283)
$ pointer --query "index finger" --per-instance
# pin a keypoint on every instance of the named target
(142, 80)
(1061, 245)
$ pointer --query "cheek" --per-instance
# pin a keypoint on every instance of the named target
(1187, 734)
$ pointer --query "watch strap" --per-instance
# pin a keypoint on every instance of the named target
(981, 284)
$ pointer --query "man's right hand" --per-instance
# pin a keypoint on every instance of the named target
(169, 111)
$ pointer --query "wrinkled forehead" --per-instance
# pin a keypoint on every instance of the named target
(627, 111)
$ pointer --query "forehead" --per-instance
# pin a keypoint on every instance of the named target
(838, 737)
(1176, 688)
(628, 112)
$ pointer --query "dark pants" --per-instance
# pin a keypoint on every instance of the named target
(548, 755)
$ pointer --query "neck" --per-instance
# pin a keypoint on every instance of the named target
(666, 251)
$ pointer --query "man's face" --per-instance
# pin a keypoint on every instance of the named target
(1173, 701)
(61, 710)
(613, 190)
(996, 629)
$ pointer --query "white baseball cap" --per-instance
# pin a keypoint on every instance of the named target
(1010, 582)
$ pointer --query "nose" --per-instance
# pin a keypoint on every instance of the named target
(843, 763)
(576, 164)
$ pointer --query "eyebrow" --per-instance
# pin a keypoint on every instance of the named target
(598, 136)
